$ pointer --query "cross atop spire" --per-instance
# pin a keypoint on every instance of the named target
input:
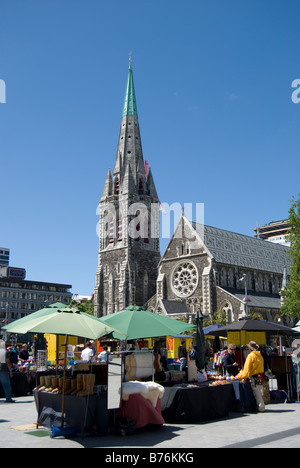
(130, 59)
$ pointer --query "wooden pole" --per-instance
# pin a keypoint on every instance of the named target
(64, 383)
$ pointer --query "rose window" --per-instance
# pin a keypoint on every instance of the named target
(185, 279)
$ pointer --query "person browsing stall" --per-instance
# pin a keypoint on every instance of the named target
(104, 356)
(87, 354)
(230, 364)
(182, 355)
(253, 368)
(5, 372)
(24, 354)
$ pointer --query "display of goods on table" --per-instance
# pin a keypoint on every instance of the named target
(81, 385)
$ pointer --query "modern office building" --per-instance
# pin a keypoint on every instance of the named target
(4, 257)
(20, 297)
(275, 231)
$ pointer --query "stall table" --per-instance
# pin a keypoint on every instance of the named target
(190, 404)
(141, 411)
(198, 403)
(86, 413)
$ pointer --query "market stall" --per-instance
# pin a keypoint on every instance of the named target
(90, 397)
(65, 321)
(243, 331)
(137, 324)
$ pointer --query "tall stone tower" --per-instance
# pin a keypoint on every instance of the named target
(129, 222)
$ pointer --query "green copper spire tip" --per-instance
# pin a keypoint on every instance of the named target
(130, 101)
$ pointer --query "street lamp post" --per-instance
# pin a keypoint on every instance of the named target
(6, 319)
(244, 278)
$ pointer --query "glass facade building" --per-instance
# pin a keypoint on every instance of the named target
(4, 257)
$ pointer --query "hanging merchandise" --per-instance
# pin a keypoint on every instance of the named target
(219, 362)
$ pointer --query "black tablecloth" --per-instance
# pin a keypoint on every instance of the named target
(244, 398)
(85, 413)
(196, 404)
(204, 403)
(22, 383)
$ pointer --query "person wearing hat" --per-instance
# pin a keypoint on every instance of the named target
(254, 366)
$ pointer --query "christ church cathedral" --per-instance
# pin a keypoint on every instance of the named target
(202, 268)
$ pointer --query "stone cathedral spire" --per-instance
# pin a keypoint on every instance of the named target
(128, 226)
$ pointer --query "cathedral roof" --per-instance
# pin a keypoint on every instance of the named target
(262, 300)
(244, 251)
(175, 307)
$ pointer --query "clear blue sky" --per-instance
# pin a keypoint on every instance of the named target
(218, 126)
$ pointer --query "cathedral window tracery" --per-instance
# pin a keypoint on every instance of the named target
(184, 279)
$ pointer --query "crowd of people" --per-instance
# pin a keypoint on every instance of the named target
(253, 369)
(89, 353)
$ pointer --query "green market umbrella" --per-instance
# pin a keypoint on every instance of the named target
(39, 313)
(62, 321)
(137, 322)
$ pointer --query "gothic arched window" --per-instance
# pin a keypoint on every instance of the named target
(227, 308)
(141, 187)
(119, 227)
(117, 186)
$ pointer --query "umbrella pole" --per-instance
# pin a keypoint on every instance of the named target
(57, 353)
(297, 380)
(64, 383)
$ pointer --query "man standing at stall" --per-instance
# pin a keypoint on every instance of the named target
(87, 354)
(254, 369)
(5, 372)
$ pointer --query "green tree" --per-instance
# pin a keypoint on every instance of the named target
(219, 316)
(291, 293)
(86, 307)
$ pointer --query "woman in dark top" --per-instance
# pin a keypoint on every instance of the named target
(24, 354)
(230, 364)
